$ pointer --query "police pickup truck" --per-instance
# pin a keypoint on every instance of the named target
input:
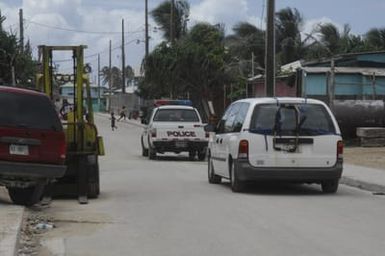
(174, 128)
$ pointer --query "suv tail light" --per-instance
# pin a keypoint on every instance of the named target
(153, 132)
(243, 151)
(340, 149)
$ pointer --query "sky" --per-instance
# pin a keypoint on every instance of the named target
(95, 22)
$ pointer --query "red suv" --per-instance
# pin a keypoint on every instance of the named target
(32, 144)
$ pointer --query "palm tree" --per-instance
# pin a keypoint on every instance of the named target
(162, 16)
(290, 46)
(375, 39)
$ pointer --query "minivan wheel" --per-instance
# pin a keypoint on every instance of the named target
(144, 150)
(213, 178)
(26, 196)
(236, 184)
(329, 186)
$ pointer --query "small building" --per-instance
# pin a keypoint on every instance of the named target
(66, 91)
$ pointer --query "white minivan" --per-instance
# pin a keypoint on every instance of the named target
(276, 139)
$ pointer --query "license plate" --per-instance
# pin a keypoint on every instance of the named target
(21, 150)
(180, 144)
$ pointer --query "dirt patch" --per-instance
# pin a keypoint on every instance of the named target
(368, 157)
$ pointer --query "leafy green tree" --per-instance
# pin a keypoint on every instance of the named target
(116, 76)
(375, 39)
(14, 60)
(162, 16)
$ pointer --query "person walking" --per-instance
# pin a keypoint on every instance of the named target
(122, 114)
(113, 118)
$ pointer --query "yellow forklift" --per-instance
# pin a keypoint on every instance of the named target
(84, 146)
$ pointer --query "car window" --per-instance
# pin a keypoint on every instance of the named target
(176, 115)
(30, 111)
(221, 123)
(229, 124)
(310, 119)
(240, 117)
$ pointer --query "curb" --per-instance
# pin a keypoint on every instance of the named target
(10, 234)
(371, 187)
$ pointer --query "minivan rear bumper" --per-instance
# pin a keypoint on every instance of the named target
(31, 171)
(246, 172)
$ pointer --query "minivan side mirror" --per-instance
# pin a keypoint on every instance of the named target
(209, 128)
(144, 121)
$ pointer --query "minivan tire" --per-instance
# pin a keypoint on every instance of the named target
(144, 150)
(26, 196)
(212, 177)
(236, 184)
(329, 186)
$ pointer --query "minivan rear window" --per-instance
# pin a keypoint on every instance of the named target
(179, 115)
(28, 111)
(288, 119)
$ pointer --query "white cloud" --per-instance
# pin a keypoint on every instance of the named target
(228, 12)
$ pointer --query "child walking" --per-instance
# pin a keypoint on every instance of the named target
(113, 118)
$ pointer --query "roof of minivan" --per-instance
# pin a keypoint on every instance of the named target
(20, 90)
(269, 100)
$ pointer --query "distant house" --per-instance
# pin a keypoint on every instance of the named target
(66, 91)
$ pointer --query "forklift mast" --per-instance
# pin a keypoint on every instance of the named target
(83, 143)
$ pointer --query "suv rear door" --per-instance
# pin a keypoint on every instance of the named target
(30, 130)
(281, 138)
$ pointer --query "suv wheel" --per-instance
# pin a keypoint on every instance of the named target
(213, 178)
(201, 155)
(236, 184)
(329, 186)
(144, 150)
(26, 196)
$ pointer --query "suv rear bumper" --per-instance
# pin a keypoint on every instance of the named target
(31, 171)
(246, 172)
(171, 146)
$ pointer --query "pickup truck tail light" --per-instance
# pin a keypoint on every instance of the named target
(340, 149)
(243, 151)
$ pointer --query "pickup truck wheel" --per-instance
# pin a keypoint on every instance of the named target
(213, 178)
(144, 150)
(329, 186)
(191, 155)
(236, 184)
(26, 196)
(201, 155)
(151, 153)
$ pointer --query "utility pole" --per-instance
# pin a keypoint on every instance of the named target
(109, 78)
(146, 29)
(99, 82)
(21, 24)
(331, 85)
(270, 50)
(172, 22)
(123, 62)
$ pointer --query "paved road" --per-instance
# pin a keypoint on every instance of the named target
(166, 207)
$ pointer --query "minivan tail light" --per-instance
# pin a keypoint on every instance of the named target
(340, 149)
(243, 151)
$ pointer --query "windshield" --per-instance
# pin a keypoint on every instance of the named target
(178, 115)
(28, 111)
(309, 119)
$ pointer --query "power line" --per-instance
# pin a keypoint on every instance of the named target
(81, 31)
(101, 52)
